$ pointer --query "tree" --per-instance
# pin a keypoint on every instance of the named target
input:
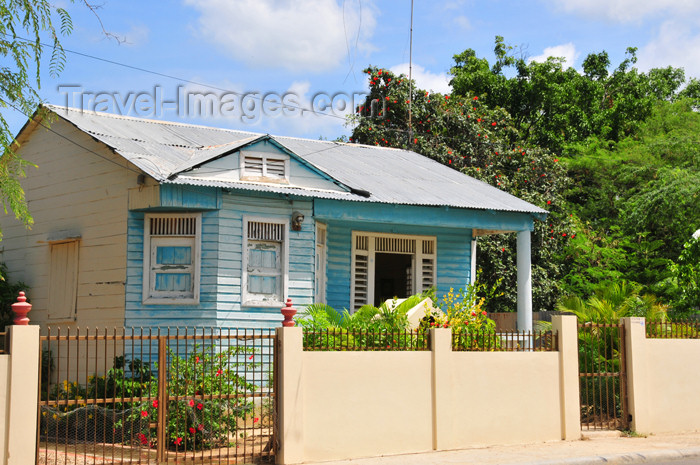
(23, 26)
(463, 133)
(552, 106)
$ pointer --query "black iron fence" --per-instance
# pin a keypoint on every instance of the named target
(154, 396)
(681, 329)
(342, 340)
(487, 341)
(3, 343)
(602, 376)
(505, 341)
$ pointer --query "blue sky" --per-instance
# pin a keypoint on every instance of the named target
(232, 53)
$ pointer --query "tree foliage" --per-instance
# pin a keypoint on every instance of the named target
(553, 106)
(463, 133)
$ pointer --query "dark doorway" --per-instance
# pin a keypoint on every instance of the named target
(392, 274)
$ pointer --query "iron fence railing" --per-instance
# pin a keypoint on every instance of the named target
(602, 376)
(3, 343)
(681, 329)
(342, 340)
(156, 396)
(505, 341)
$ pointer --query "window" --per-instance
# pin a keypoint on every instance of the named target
(63, 279)
(320, 291)
(264, 262)
(265, 167)
(171, 258)
(385, 266)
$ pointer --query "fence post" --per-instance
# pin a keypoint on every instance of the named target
(566, 329)
(441, 349)
(637, 374)
(291, 395)
(161, 429)
(21, 433)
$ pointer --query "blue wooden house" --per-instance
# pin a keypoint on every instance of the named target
(149, 223)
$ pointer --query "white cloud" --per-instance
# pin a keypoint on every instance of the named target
(568, 51)
(299, 35)
(627, 10)
(424, 78)
(676, 44)
(463, 22)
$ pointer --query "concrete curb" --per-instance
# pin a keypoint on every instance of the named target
(637, 457)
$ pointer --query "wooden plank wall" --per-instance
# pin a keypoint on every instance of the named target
(73, 191)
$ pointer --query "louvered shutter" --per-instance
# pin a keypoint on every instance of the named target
(361, 283)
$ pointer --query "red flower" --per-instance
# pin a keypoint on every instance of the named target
(155, 403)
(218, 372)
(447, 97)
(199, 406)
(200, 427)
(256, 419)
(556, 160)
(196, 359)
(503, 249)
(143, 439)
(549, 202)
(483, 313)
(466, 322)
(493, 124)
(563, 234)
(144, 413)
(177, 441)
(192, 430)
(476, 98)
(250, 358)
(191, 403)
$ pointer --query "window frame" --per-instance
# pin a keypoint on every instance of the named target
(418, 257)
(247, 299)
(321, 263)
(150, 295)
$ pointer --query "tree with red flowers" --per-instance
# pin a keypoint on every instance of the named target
(463, 133)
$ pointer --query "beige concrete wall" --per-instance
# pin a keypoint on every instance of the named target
(663, 381)
(4, 405)
(504, 398)
(19, 390)
(359, 404)
(344, 405)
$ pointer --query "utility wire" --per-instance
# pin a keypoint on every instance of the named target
(176, 78)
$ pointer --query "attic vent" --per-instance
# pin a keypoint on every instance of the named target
(259, 231)
(361, 243)
(264, 167)
(429, 247)
(275, 168)
(253, 166)
(394, 245)
(173, 226)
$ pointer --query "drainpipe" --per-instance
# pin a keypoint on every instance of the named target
(524, 282)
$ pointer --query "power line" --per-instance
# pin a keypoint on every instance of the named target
(175, 78)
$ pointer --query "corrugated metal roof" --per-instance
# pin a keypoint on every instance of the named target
(395, 176)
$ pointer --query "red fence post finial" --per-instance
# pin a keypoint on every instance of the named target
(21, 308)
(288, 311)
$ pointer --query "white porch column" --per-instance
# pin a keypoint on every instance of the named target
(523, 264)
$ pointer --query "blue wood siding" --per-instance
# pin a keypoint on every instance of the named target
(222, 266)
(453, 256)
(174, 315)
(230, 311)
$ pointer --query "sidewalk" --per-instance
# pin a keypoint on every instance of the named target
(601, 448)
